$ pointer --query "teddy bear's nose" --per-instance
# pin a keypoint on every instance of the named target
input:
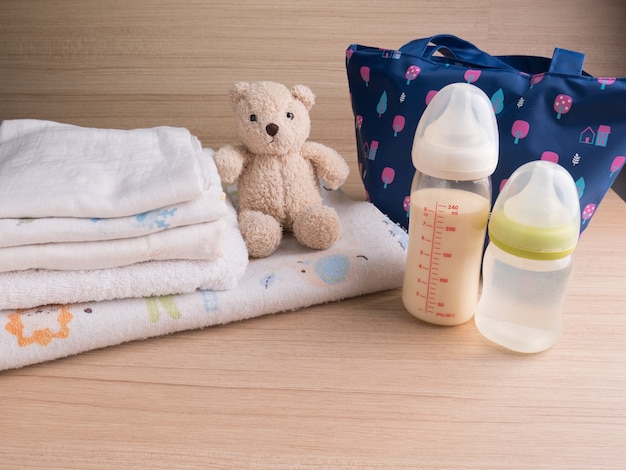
(271, 129)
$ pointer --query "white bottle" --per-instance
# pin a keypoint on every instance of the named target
(455, 151)
(527, 267)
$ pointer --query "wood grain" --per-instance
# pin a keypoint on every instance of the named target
(352, 384)
(113, 63)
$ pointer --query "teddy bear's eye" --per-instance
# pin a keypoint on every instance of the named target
(289, 115)
(253, 117)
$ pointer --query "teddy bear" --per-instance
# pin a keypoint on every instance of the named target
(277, 169)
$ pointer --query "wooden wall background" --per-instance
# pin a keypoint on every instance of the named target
(140, 63)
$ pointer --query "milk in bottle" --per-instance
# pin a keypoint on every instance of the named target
(455, 151)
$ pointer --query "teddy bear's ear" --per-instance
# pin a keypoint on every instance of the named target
(303, 93)
(238, 92)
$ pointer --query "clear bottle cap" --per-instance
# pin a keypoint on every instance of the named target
(537, 213)
(457, 136)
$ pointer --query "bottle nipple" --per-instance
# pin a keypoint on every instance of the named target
(457, 135)
(457, 126)
(537, 204)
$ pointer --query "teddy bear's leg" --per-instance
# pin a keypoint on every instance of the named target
(317, 227)
(261, 232)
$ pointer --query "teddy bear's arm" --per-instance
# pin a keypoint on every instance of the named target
(230, 160)
(329, 164)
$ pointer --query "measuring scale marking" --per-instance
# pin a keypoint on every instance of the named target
(445, 280)
(435, 247)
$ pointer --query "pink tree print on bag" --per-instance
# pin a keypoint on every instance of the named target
(536, 79)
(618, 163)
(588, 212)
(406, 205)
(365, 75)
(349, 52)
(388, 176)
(398, 125)
(562, 105)
(550, 156)
(520, 130)
(604, 81)
(471, 76)
(411, 73)
(429, 96)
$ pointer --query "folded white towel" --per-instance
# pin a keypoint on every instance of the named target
(209, 207)
(49, 169)
(198, 242)
(370, 256)
(27, 289)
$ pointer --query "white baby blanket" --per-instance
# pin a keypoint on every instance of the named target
(370, 256)
(49, 169)
(209, 207)
(198, 242)
(27, 289)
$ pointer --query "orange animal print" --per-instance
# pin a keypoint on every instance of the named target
(35, 318)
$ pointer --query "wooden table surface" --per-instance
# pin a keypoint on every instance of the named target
(358, 384)
(353, 384)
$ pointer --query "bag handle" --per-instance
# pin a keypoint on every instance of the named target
(563, 61)
(567, 62)
(453, 46)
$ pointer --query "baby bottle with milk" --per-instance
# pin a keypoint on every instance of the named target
(455, 151)
(533, 230)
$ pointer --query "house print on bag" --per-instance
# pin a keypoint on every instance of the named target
(601, 139)
(603, 136)
(391, 54)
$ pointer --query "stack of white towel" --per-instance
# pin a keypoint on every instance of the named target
(96, 214)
